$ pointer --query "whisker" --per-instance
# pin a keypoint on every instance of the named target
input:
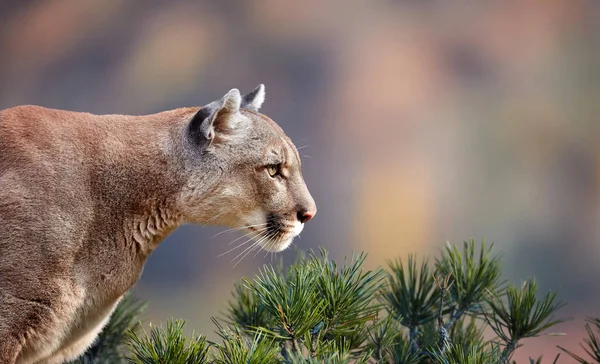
(235, 247)
(242, 244)
(302, 147)
(249, 249)
(244, 253)
(306, 156)
(215, 217)
(237, 229)
(256, 241)
(249, 233)
(270, 244)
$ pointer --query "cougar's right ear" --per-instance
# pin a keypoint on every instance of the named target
(254, 99)
(215, 117)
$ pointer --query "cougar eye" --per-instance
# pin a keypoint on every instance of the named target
(272, 169)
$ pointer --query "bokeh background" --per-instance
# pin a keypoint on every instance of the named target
(420, 122)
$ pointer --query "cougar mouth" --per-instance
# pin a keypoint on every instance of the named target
(280, 233)
(277, 234)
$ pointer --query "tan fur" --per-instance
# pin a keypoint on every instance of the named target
(85, 199)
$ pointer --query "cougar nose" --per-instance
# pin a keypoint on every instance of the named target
(305, 215)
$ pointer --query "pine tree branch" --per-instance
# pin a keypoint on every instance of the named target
(455, 316)
(414, 345)
(508, 351)
(443, 336)
(317, 312)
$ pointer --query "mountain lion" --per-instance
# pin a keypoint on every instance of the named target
(85, 199)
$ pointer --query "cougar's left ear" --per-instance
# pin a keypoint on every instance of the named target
(254, 99)
(215, 117)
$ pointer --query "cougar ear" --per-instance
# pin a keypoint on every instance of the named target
(215, 116)
(254, 99)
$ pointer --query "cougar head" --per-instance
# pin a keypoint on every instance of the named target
(245, 172)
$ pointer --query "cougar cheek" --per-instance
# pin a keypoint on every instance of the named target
(256, 218)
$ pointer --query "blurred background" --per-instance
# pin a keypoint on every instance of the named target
(420, 122)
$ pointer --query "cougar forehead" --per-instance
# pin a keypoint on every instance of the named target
(280, 145)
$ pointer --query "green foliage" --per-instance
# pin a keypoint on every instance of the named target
(411, 294)
(521, 314)
(469, 336)
(471, 277)
(467, 353)
(239, 348)
(292, 298)
(247, 310)
(591, 343)
(317, 311)
(168, 346)
(383, 335)
(348, 294)
(312, 307)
